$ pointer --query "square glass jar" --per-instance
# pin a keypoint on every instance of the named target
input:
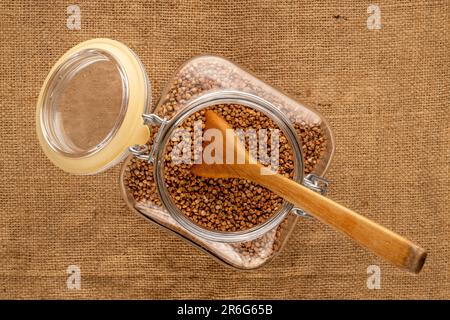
(140, 130)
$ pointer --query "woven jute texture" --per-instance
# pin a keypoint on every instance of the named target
(385, 93)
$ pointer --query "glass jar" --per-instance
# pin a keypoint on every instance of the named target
(94, 110)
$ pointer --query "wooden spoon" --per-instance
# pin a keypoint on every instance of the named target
(385, 243)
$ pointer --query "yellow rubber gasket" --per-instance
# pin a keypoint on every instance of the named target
(132, 130)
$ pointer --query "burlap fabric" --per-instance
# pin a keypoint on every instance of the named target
(385, 93)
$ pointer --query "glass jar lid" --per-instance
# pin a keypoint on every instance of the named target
(90, 107)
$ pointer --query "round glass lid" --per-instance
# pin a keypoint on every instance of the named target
(89, 110)
(86, 105)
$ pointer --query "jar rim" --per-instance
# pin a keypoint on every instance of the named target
(211, 99)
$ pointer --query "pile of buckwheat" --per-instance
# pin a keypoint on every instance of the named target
(224, 204)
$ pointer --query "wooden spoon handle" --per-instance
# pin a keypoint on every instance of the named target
(383, 242)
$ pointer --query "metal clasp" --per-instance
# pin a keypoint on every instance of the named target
(315, 183)
(140, 151)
